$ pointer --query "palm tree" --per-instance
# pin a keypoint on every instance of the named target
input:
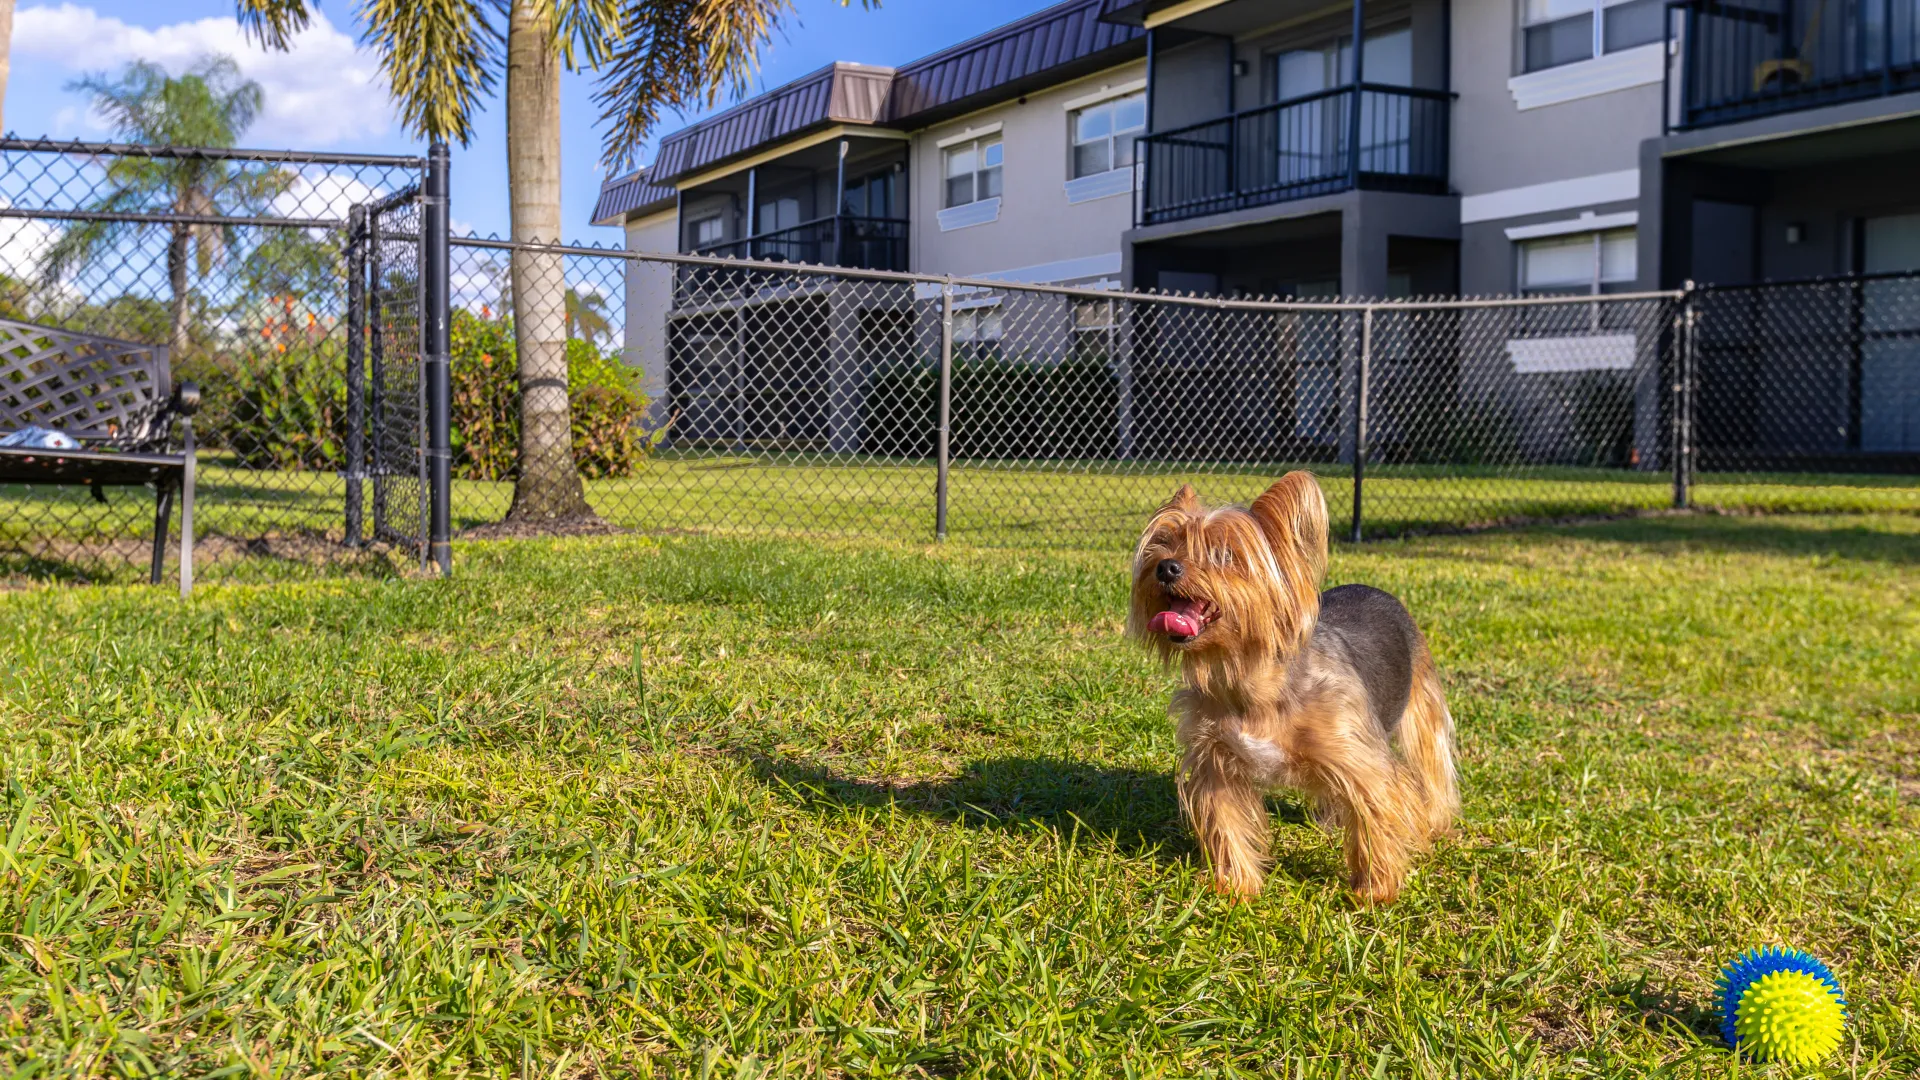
(441, 56)
(208, 106)
(6, 55)
(587, 316)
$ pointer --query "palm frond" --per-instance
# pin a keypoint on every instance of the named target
(440, 57)
(272, 23)
(679, 54)
(586, 31)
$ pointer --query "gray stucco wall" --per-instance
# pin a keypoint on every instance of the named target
(1496, 145)
(1037, 226)
(649, 298)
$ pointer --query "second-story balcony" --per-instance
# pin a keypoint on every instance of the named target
(840, 203)
(1367, 136)
(863, 243)
(1733, 60)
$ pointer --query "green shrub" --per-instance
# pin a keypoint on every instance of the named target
(288, 410)
(604, 393)
(280, 411)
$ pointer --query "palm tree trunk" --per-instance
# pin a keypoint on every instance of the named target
(548, 486)
(6, 53)
(177, 260)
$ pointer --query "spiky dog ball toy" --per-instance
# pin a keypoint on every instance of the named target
(1781, 1005)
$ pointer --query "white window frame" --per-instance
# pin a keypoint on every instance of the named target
(981, 324)
(1114, 136)
(1596, 285)
(1596, 46)
(695, 225)
(978, 146)
(1106, 331)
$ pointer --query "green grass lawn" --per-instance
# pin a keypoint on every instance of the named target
(297, 518)
(731, 807)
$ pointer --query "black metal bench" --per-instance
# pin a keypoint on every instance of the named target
(117, 400)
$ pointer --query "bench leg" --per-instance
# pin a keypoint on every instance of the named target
(161, 515)
(186, 517)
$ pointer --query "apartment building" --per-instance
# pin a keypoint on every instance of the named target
(1232, 146)
(1246, 147)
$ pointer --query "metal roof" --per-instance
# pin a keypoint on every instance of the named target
(838, 93)
(1050, 46)
(634, 193)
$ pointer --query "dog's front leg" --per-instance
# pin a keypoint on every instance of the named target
(1229, 816)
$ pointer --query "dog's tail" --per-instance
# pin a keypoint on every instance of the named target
(1426, 743)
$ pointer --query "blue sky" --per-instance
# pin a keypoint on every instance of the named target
(326, 95)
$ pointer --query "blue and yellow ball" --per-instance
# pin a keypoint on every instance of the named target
(1781, 1005)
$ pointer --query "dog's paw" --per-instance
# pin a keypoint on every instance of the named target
(1370, 893)
(1242, 888)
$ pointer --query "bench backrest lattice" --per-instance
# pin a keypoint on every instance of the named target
(102, 391)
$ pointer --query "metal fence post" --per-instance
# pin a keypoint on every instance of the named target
(356, 371)
(941, 446)
(1682, 407)
(438, 350)
(1360, 416)
(377, 372)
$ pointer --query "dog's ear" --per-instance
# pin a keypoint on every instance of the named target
(1293, 517)
(1184, 500)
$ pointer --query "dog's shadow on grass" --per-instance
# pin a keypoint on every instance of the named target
(1135, 810)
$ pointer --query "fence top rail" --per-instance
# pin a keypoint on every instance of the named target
(132, 217)
(1823, 279)
(1081, 291)
(204, 153)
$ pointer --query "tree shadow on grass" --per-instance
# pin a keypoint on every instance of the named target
(1133, 809)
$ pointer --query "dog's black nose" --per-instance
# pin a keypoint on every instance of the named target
(1169, 571)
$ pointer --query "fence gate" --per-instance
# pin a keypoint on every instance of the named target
(386, 375)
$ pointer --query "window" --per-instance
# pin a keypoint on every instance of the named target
(870, 196)
(973, 171)
(1103, 134)
(1094, 324)
(1596, 262)
(1567, 31)
(778, 213)
(1310, 138)
(708, 232)
(1299, 72)
(977, 326)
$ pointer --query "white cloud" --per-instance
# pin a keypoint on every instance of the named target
(23, 243)
(322, 93)
(329, 195)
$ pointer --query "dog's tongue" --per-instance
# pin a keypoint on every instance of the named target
(1182, 620)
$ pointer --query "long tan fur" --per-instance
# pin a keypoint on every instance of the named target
(1262, 709)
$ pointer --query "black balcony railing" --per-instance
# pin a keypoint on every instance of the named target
(1735, 61)
(1297, 148)
(861, 243)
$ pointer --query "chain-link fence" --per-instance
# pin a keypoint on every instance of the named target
(1807, 393)
(802, 399)
(339, 369)
(810, 400)
(241, 271)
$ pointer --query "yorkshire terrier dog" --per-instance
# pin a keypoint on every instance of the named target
(1332, 694)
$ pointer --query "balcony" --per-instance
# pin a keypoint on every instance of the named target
(1296, 149)
(862, 243)
(1754, 58)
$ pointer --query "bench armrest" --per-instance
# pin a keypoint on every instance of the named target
(186, 398)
